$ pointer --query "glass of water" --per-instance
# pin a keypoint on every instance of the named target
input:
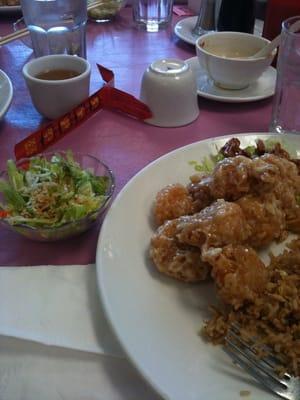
(56, 26)
(152, 15)
(286, 103)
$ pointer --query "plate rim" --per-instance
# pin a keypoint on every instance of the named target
(225, 99)
(7, 104)
(179, 25)
(258, 28)
(99, 271)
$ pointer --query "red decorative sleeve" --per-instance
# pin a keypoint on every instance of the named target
(107, 97)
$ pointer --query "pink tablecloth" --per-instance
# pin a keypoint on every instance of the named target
(124, 144)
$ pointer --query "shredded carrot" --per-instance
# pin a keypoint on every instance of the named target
(3, 213)
(24, 165)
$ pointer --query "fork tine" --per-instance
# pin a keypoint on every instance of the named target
(263, 364)
(255, 363)
(259, 376)
(270, 360)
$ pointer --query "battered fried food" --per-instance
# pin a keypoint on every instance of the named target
(265, 217)
(176, 247)
(239, 274)
(217, 221)
(172, 202)
(232, 179)
(286, 182)
(215, 226)
(175, 259)
(235, 177)
(229, 181)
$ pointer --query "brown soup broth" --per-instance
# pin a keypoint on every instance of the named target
(57, 74)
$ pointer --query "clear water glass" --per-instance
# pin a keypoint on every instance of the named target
(56, 26)
(286, 103)
(152, 15)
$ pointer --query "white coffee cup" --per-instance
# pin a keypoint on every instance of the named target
(54, 98)
(226, 58)
(169, 89)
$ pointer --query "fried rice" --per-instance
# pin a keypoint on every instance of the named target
(272, 320)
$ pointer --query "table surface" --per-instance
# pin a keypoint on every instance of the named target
(125, 144)
(32, 371)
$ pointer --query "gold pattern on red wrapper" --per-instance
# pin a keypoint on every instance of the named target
(106, 97)
(80, 112)
(32, 146)
(48, 135)
(94, 102)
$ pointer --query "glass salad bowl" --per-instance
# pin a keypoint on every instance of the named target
(106, 11)
(54, 196)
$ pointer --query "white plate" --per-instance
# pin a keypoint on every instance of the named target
(6, 93)
(183, 29)
(7, 9)
(261, 89)
(156, 319)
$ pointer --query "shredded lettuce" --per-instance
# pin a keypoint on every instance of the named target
(51, 192)
(208, 163)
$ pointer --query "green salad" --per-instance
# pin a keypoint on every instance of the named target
(49, 193)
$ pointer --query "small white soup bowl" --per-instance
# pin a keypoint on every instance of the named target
(54, 98)
(224, 57)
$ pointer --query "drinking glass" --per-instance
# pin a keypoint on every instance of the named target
(56, 26)
(152, 15)
(286, 103)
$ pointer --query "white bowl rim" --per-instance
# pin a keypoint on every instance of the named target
(33, 78)
(10, 94)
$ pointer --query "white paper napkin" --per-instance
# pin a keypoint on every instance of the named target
(55, 305)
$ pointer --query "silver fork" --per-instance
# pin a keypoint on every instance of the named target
(263, 370)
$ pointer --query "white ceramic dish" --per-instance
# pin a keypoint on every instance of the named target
(54, 98)
(183, 29)
(263, 88)
(6, 93)
(156, 319)
(226, 58)
(169, 89)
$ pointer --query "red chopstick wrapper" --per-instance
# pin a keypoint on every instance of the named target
(107, 97)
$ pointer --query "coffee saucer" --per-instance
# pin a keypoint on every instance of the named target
(263, 88)
(183, 29)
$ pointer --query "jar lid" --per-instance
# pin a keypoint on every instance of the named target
(169, 66)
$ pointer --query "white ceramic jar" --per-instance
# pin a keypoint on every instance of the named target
(169, 89)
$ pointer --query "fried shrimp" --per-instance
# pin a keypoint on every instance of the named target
(265, 218)
(215, 226)
(233, 178)
(229, 181)
(219, 219)
(286, 185)
(172, 202)
(239, 274)
(172, 258)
